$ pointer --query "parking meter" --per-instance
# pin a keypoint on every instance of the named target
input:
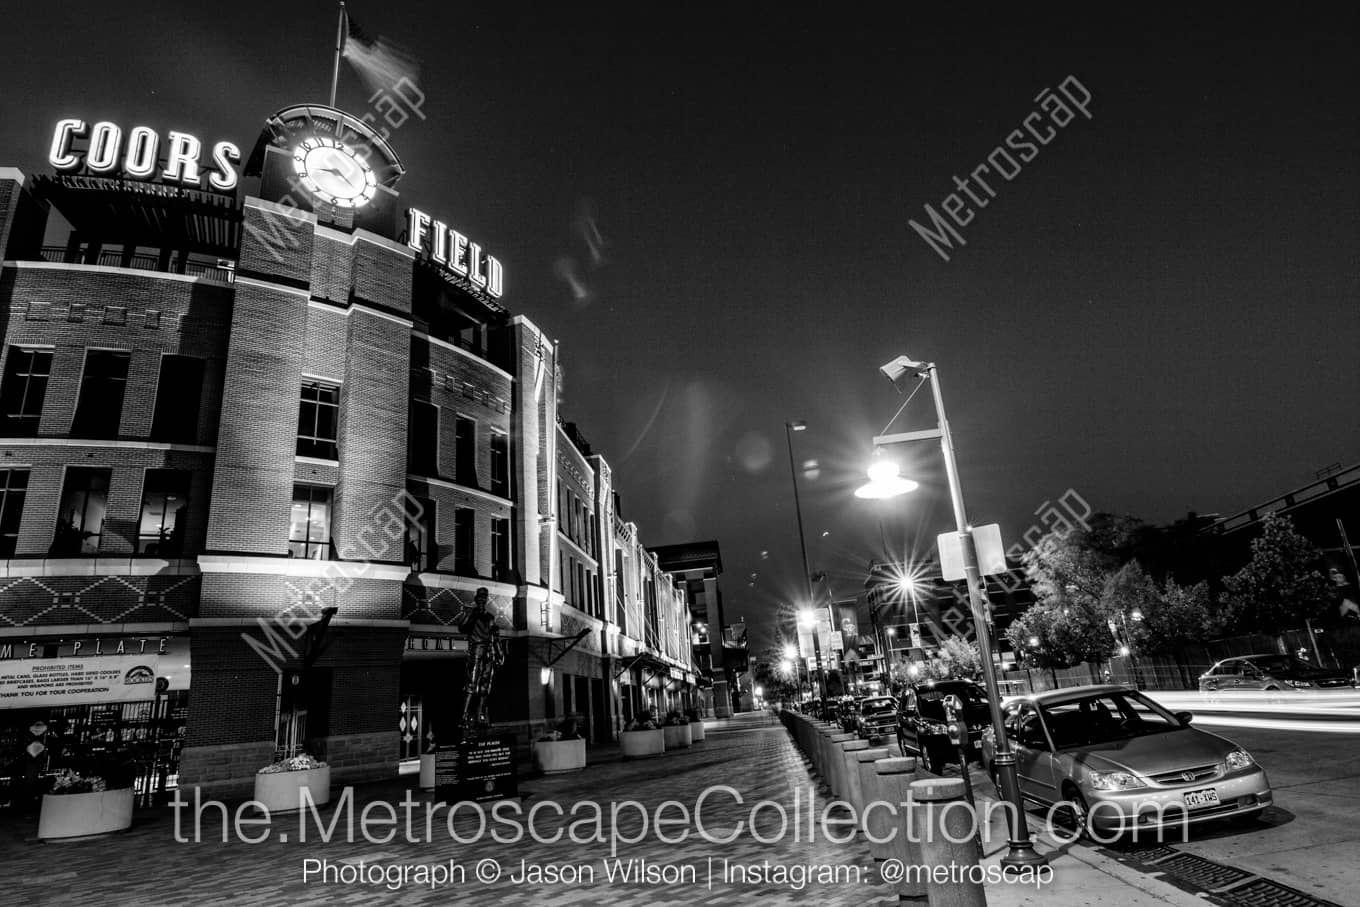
(953, 709)
(958, 736)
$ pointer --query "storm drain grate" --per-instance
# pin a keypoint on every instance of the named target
(1147, 854)
(1203, 873)
(1265, 893)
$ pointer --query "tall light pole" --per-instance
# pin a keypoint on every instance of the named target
(1021, 850)
(808, 619)
(789, 429)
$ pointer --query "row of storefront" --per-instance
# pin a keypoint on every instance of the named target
(274, 440)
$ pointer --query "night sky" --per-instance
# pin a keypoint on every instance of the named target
(709, 207)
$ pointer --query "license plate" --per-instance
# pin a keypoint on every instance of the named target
(1199, 798)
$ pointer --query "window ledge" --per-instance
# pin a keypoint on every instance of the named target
(98, 566)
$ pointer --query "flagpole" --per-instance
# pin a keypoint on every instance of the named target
(339, 47)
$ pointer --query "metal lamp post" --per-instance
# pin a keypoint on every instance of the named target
(789, 429)
(1021, 850)
(809, 619)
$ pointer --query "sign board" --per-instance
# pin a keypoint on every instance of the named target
(837, 641)
(477, 770)
(34, 682)
(987, 543)
(916, 636)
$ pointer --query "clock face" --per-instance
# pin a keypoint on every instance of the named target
(334, 172)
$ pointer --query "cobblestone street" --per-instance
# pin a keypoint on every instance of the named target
(753, 755)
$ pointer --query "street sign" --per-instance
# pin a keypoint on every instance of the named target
(987, 543)
(916, 636)
(837, 641)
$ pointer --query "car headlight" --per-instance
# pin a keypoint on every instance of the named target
(1299, 684)
(1238, 759)
(1115, 780)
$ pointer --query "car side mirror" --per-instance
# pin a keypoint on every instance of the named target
(1185, 718)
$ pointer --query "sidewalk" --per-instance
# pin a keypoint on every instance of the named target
(693, 855)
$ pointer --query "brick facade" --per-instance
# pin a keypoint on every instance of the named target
(312, 299)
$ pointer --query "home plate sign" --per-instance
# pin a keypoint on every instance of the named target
(477, 770)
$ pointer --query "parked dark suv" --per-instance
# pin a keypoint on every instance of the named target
(922, 730)
(877, 718)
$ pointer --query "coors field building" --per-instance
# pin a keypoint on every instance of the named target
(264, 430)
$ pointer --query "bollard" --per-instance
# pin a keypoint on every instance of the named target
(947, 825)
(868, 787)
(835, 764)
(849, 770)
(895, 779)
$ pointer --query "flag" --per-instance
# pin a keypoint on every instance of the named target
(382, 64)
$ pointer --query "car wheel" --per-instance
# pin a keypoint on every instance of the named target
(1272, 688)
(931, 759)
(1076, 813)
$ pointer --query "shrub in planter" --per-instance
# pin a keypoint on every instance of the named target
(279, 786)
(642, 737)
(676, 731)
(560, 750)
(81, 805)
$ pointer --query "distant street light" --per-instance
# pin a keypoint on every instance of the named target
(789, 429)
(1021, 850)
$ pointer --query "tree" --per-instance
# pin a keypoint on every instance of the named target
(1180, 614)
(1128, 592)
(956, 657)
(1068, 576)
(1280, 586)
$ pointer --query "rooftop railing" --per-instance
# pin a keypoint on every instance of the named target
(215, 270)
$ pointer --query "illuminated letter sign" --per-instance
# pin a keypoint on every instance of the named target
(454, 252)
(136, 154)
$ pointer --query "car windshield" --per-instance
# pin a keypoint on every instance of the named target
(1105, 718)
(970, 694)
(877, 705)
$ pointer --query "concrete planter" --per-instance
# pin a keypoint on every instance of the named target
(427, 771)
(635, 744)
(696, 731)
(677, 736)
(66, 816)
(281, 791)
(553, 757)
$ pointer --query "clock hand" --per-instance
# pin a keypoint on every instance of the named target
(338, 173)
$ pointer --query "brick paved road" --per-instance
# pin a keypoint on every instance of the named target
(756, 758)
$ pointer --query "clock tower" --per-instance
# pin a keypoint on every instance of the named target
(331, 163)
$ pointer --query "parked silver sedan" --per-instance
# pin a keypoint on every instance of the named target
(1120, 762)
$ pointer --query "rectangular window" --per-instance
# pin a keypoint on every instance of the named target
(319, 421)
(500, 464)
(178, 393)
(620, 606)
(100, 407)
(309, 529)
(165, 512)
(464, 541)
(23, 391)
(421, 552)
(500, 549)
(80, 519)
(423, 435)
(13, 488)
(465, 451)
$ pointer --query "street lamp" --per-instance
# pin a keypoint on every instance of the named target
(1021, 852)
(808, 619)
(1127, 649)
(804, 616)
(791, 657)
